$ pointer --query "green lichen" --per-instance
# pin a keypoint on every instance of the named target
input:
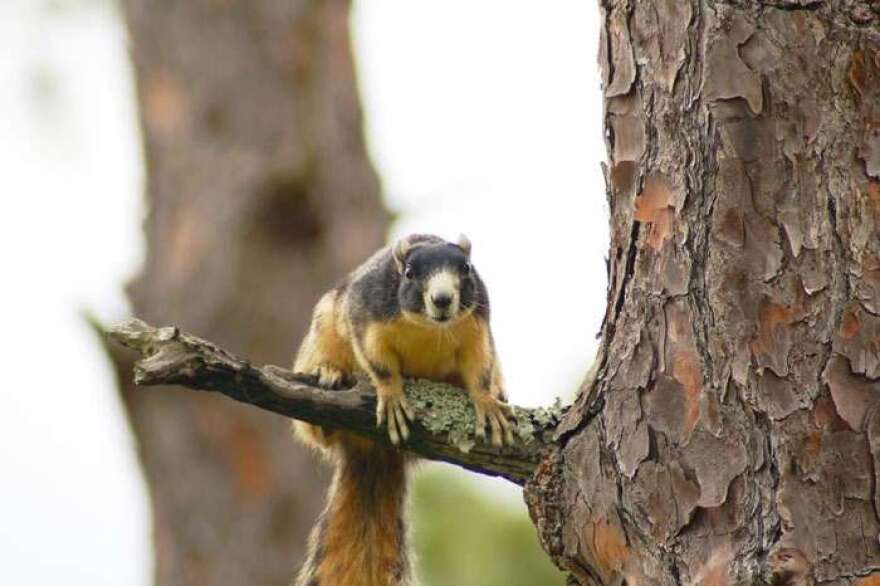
(443, 408)
(530, 422)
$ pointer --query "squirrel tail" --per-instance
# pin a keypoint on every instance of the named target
(360, 537)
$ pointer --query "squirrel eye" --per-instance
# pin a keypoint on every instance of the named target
(466, 268)
(408, 272)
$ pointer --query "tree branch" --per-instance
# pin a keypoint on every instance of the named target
(444, 416)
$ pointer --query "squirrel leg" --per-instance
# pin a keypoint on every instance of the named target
(326, 355)
(383, 367)
(482, 378)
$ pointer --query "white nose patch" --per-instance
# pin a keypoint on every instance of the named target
(444, 283)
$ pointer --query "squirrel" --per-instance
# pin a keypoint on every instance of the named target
(414, 309)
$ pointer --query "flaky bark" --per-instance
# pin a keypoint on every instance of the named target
(737, 438)
(260, 196)
(443, 427)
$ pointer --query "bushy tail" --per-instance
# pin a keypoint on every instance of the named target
(360, 537)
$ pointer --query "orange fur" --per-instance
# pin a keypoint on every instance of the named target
(424, 351)
(327, 339)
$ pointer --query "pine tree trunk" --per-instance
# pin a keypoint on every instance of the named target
(260, 195)
(732, 434)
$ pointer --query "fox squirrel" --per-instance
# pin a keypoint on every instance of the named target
(416, 309)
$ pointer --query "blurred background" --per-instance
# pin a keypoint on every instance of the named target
(218, 164)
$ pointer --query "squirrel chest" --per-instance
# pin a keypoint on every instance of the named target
(424, 351)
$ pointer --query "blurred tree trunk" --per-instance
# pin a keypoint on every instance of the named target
(733, 436)
(260, 195)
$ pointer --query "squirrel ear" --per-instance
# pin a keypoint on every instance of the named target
(464, 244)
(401, 247)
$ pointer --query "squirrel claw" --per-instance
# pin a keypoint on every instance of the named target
(330, 377)
(497, 413)
(394, 412)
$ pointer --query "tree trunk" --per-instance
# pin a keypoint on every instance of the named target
(260, 195)
(732, 433)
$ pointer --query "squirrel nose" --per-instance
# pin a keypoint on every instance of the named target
(441, 301)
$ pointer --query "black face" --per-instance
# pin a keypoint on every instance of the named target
(437, 283)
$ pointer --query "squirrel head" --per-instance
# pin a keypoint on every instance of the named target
(438, 284)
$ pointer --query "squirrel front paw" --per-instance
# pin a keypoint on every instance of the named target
(394, 409)
(331, 377)
(498, 413)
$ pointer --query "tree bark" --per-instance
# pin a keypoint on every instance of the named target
(260, 195)
(736, 438)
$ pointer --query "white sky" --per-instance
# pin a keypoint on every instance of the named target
(483, 118)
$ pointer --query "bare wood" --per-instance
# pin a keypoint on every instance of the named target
(172, 357)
